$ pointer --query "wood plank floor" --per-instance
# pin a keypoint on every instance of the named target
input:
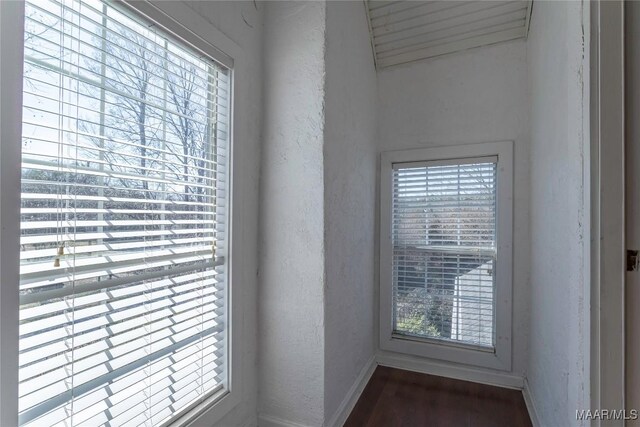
(394, 397)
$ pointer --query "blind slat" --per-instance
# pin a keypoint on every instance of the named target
(205, 229)
(51, 374)
(194, 59)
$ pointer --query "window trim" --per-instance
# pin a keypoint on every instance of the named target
(172, 18)
(430, 348)
(11, 69)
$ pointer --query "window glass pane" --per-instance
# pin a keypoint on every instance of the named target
(444, 251)
(123, 220)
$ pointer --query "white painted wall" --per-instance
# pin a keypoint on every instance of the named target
(241, 21)
(474, 96)
(292, 273)
(317, 210)
(557, 375)
(349, 200)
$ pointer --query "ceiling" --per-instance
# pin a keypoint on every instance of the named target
(406, 31)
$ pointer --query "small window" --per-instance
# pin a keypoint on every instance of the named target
(443, 219)
(441, 252)
(123, 274)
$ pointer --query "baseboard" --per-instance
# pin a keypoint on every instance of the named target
(271, 421)
(531, 407)
(350, 400)
(443, 369)
(251, 422)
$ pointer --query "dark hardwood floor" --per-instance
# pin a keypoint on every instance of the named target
(394, 397)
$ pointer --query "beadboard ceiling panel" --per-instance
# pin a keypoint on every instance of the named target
(406, 31)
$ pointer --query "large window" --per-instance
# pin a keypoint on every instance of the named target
(123, 288)
(444, 254)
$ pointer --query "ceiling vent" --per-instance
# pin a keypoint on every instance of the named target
(406, 31)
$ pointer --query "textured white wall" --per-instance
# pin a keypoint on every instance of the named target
(241, 21)
(292, 276)
(557, 373)
(476, 96)
(349, 197)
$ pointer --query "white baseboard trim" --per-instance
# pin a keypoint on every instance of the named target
(531, 407)
(350, 400)
(251, 422)
(443, 369)
(271, 421)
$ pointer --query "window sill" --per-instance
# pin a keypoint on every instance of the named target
(208, 412)
(445, 342)
(451, 352)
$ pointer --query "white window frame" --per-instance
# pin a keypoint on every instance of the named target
(171, 17)
(500, 356)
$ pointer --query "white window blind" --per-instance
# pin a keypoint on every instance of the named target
(444, 250)
(123, 220)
